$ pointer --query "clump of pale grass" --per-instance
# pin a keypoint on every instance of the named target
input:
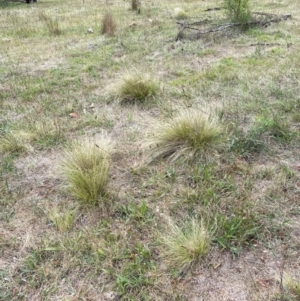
(188, 133)
(185, 247)
(293, 285)
(180, 13)
(14, 142)
(108, 24)
(63, 220)
(134, 86)
(51, 23)
(85, 168)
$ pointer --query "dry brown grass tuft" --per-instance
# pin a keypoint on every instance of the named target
(135, 4)
(108, 24)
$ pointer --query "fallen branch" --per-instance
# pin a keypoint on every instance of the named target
(266, 21)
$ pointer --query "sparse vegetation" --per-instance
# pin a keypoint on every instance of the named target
(217, 115)
(85, 167)
(185, 247)
(187, 134)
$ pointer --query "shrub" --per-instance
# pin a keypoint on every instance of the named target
(135, 87)
(189, 133)
(238, 10)
(185, 247)
(108, 24)
(85, 168)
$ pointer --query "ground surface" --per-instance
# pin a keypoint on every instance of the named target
(52, 66)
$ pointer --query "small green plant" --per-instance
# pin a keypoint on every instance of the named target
(134, 86)
(51, 24)
(134, 275)
(276, 127)
(236, 231)
(247, 143)
(85, 168)
(185, 247)
(108, 24)
(189, 133)
(238, 10)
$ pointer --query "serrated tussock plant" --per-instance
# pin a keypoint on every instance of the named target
(85, 168)
(187, 134)
(134, 87)
(183, 247)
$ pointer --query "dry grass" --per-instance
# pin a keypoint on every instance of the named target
(187, 134)
(185, 247)
(108, 26)
(85, 168)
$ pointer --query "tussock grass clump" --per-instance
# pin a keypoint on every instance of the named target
(63, 221)
(108, 24)
(189, 133)
(134, 87)
(180, 13)
(185, 247)
(15, 141)
(293, 285)
(85, 167)
(51, 24)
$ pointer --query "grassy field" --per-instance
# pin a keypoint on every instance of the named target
(138, 166)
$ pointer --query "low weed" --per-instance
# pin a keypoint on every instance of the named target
(246, 143)
(236, 231)
(187, 134)
(276, 127)
(85, 168)
(134, 278)
(184, 247)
